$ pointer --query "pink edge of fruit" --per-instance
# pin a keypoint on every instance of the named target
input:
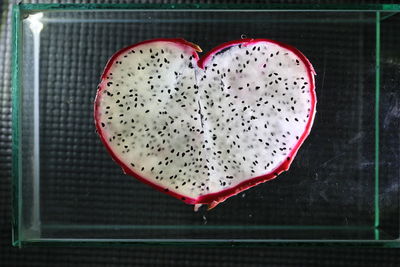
(178, 41)
(214, 199)
(125, 168)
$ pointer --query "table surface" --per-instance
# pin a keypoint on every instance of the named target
(149, 256)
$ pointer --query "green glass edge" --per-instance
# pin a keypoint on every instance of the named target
(16, 128)
(207, 243)
(297, 7)
(377, 96)
(16, 214)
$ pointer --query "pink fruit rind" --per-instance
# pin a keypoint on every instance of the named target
(127, 170)
(215, 198)
(212, 199)
(178, 41)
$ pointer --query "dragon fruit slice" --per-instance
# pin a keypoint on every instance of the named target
(203, 130)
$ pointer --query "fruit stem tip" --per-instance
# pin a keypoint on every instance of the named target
(196, 47)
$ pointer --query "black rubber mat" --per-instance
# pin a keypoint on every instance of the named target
(129, 256)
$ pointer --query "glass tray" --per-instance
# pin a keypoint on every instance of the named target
(342, 189)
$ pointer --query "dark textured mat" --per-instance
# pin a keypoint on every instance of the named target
(128, 256)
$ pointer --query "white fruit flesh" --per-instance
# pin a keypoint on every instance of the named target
(198, 131)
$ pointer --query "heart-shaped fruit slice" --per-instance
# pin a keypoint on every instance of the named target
(205, 129)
